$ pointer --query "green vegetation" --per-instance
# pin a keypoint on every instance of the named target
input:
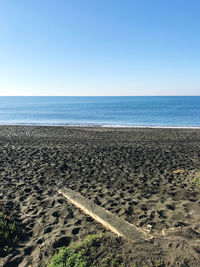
(91, 252)
(8, 237)
(196, 180)
(159, 263)
(69, 257)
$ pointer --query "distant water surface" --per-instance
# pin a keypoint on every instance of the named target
(173, 111)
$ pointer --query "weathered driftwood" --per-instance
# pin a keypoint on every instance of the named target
(112, 222)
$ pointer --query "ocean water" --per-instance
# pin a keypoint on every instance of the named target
(146, 111)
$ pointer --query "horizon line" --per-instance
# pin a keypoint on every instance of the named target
(96, 95)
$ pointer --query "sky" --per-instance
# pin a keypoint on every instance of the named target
(99, 47)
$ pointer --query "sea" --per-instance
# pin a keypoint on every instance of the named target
(119, 111)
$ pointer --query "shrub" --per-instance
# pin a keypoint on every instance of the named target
(91, 252)
(69, 257)
(8, 237)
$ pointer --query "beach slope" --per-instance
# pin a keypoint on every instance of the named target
(148, 177)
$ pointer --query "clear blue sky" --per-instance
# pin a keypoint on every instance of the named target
(99, 47)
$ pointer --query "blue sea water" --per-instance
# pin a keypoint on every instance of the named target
(150, 111)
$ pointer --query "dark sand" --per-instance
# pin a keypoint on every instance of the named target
(128, 171)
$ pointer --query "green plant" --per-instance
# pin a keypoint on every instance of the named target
(196, 181)
(69, 257)
(76, 255)
(86, 254)
(92, 238)
(8, 237)
(92, 241)
(158, 263)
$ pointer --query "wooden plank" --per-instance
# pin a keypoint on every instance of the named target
(112, 222)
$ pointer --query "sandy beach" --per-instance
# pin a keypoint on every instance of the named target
(142, 175)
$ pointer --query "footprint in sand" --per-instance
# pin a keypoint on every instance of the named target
(76, 230)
